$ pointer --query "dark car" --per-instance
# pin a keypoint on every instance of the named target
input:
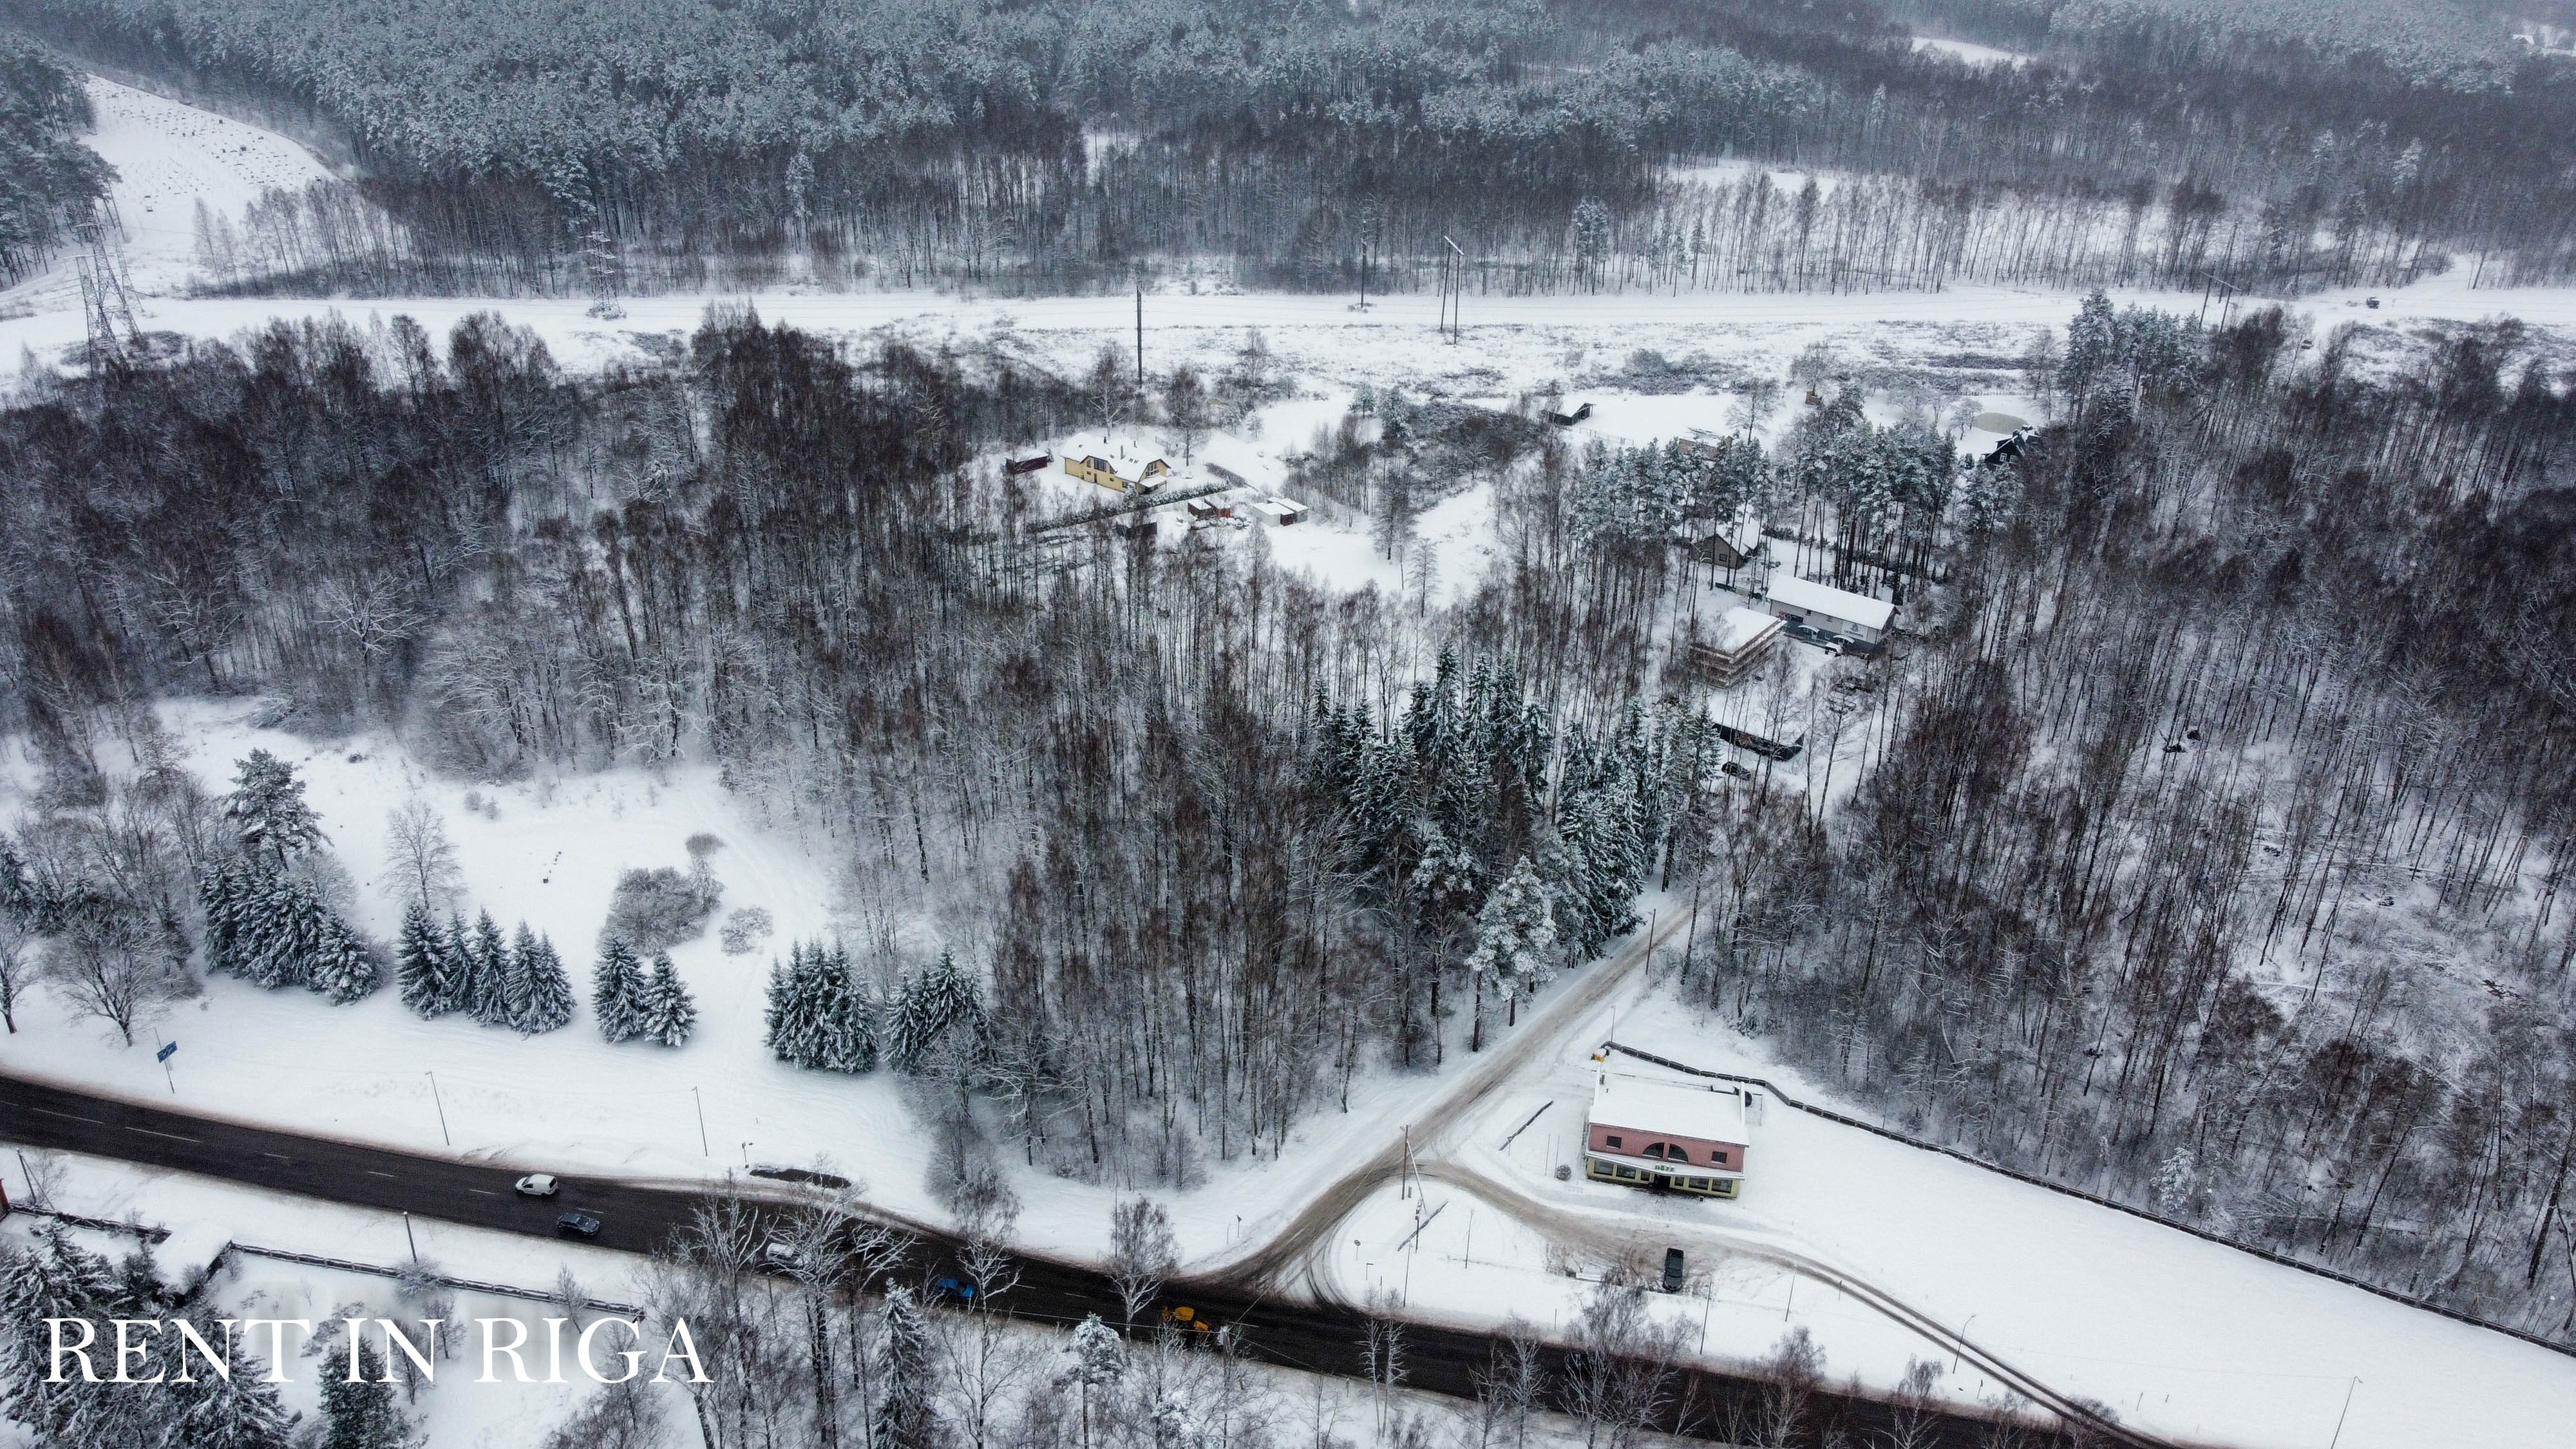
(961, 1289)
(579, 1224)
(1672, 1270)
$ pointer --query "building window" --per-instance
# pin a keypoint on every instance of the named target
(1726, 1187)
(1627, 1172)
(1610, 1141)
(1718, 1158)
(1673, 1151)
(1699, 1183)
(1656, 1151)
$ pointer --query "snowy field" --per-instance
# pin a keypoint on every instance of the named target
(170, 158)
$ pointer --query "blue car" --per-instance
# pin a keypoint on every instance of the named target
(960, 1289)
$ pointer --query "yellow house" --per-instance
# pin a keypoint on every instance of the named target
(1094, 469)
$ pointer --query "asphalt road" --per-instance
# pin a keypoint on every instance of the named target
(639, 1218)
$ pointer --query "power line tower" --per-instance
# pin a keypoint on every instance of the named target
(107, 303)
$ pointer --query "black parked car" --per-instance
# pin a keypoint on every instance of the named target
(579, 1224)
(1672, 1270)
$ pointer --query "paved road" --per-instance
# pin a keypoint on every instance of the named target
(639, 1217)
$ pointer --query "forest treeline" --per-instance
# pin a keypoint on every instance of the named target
(1110, 773)
(49, 182)
(2206, 849)
(2210, 850)
(1060, 146)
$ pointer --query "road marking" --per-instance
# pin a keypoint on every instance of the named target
(280, 1156)
(371, 1172)
(173, 1136)
(487, 1192)
(68, 1116)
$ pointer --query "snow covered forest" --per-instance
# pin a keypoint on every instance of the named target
(1061, 147)
(1230, 846)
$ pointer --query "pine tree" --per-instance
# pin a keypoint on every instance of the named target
(340, 967)
(236, 1412)
(1515, 938)
(669, 1015)
(848, 1037)
(793, 1016)
(518, 981)
(548, 1004)
(617, 991)
(1098, 1361)
(927, 1007)
(902, 1413)
(362, 1415)
(268, 811)
(488, 996)
(421, 964)
(461, 975)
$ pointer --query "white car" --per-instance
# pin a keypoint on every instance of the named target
(537, 1184)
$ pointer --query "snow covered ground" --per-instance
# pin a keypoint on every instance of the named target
(2182, 1337)
(457, 1410)
(170, 158)
(204, 1215)
(1971, 52)
(2178, 1335)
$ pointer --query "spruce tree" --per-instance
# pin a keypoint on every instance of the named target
(240, 1411)
(518, 981)
(849, 1020)
(268, 811)
(617, 991)
(902, 1416)
(791, 1018)
(1515, 940)
(340, 967)
(488, 997)
(420, 961)
(927, 1007)
(669, 1015)
(363, 1414)
(459, 944)
(548, 1005)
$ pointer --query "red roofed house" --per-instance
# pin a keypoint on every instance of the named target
(1671, 1135)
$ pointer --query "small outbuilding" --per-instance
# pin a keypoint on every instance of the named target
(1676, 1136)
(1821, 606)
(1281, 511)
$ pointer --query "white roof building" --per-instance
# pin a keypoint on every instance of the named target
(1676, 1136)
(1827, 607)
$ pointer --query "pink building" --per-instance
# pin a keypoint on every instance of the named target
(1672, 1135)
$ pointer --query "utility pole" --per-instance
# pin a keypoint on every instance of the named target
(408, 1238)
(2347, 1411)
(1454, 290)
(703, 1149)
(442, 1110)
(1140, 337)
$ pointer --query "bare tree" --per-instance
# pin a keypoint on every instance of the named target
(18, 963)
(983, 1359)
(424, 859)
(114, 968)
(1141, 1254)
(1510, 1387)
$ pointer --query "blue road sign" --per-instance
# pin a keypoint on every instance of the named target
(165, 1052)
